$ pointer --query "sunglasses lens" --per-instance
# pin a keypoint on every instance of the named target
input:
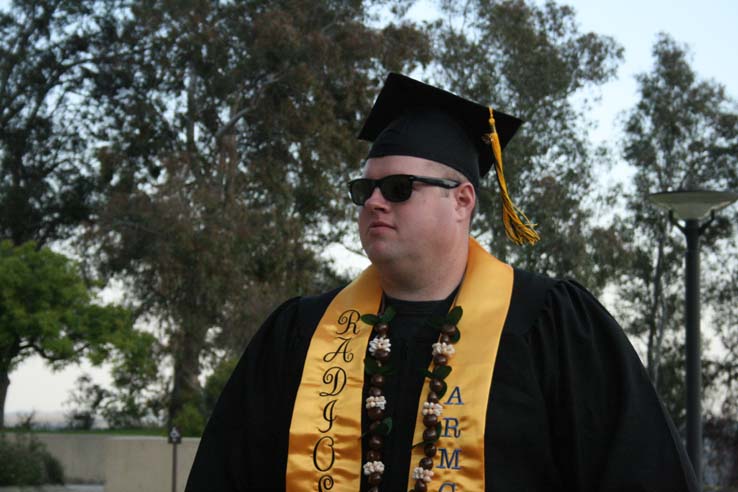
(360, 190)
(396, 188)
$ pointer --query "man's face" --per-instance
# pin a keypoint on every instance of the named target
(408, 231)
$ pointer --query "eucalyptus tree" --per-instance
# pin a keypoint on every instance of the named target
(227, 130)
(46, 183)
(681, 134)
(533, 61)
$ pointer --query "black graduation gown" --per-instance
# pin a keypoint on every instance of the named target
(571, 407)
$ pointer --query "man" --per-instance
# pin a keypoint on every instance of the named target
(439, 368)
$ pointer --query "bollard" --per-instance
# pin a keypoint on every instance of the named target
(174, 438)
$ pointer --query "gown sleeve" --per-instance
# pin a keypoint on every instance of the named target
(609, 429)
(245, 442)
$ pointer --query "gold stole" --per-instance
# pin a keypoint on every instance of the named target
(325, 447)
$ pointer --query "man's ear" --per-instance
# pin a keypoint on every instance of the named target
(465, 200)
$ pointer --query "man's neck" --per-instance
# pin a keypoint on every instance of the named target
(428, 279)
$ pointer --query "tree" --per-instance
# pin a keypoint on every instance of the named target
(682, 134)
(46, 183)
(533, 61)
(227, 131)
(46, 309)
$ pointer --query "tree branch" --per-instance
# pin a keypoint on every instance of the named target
(269, 80)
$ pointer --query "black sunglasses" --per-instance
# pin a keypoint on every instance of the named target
(394, 188)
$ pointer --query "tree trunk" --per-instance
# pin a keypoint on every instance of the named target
(657, 315)
(186, 385)
(4, 383)
(7, 354)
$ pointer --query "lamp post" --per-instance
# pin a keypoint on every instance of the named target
(692, 207)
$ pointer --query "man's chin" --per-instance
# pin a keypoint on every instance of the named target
(379, 252)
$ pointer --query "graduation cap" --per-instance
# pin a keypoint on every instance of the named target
(416, 119)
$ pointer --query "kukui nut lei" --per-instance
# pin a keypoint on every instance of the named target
(377, 365)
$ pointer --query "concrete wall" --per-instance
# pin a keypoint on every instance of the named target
(144, 464)
(122, 463)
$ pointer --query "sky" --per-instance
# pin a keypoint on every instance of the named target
(708, 28)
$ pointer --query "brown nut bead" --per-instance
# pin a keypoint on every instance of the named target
(420, 486)
(381, 328)
(377, 380)
(430, 434)
(375, 478)
(373, 455)
(440, 359)
(374, 391)
(381, 355)
(426, 463)
(374, 489)
(375, 443)
(432, 397)
(430, 420)
(443, 338)
(436, 385)
(375, 413)
(373, 426)
(449, 330)
(430, 450)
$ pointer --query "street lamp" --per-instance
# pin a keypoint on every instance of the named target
(691, 207)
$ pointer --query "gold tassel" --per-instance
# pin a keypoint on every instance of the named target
(519, 231)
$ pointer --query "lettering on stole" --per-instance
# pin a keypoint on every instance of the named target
(334, 379)
(451, 429)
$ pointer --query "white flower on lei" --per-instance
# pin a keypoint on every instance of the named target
(379, 343)
(375, 401)
(372, 467)
(422, 474)
(432, 408)
(443, 348)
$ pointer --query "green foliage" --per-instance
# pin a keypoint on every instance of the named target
(454, 316)
(25, 461)
(46, 309)
(388, 315)
(46, 303)
(385, 428)
(370, 319)
(441, 372)
(189, 420)
(86, 399)
(130, 403)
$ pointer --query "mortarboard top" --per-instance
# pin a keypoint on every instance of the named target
(416, 119)
(413, 118)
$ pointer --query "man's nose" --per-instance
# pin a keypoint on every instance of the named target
(376, 199)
